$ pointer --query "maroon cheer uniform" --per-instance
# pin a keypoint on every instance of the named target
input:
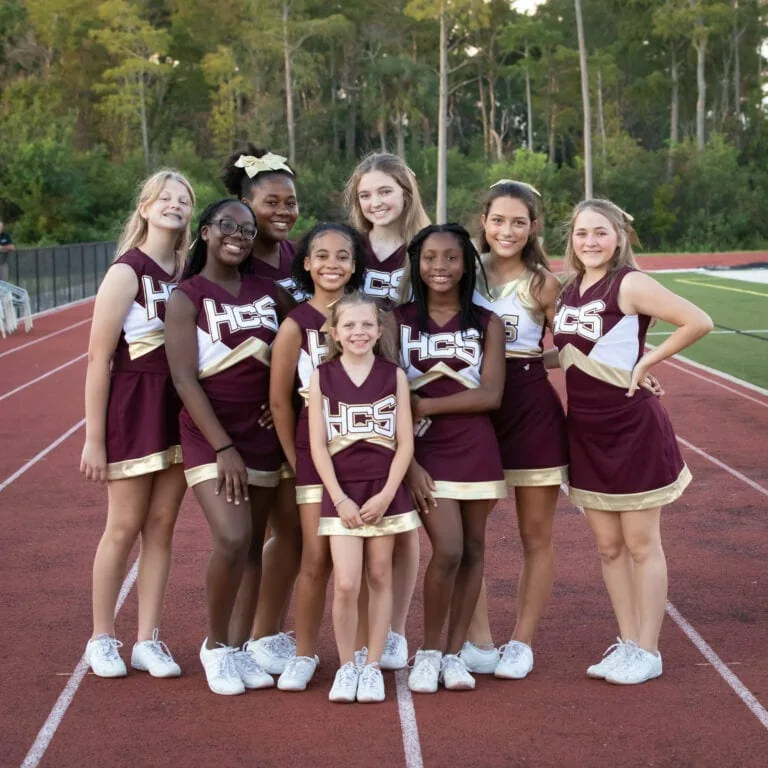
(383, 278)
(234, 341)
(142, 433)
(623, 452)
(283, 273)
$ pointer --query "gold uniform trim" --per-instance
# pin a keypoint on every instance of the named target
(258, 477)
(389, 526)
(570, 355)
(338, 444)
(630, 502)
(528, 478)
(490, 489)
(309, 494)
(252, 347)
(146, 344)
(146, 465)
(512, 354)
(520, 287)
(436, 372)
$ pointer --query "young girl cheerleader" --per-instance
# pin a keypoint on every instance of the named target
(517, 285)
(361, 437)
(131, 428)
(384, 203)
(602, 317)
(453, 354)
(221, 324)
(328, 264)
(265, 183)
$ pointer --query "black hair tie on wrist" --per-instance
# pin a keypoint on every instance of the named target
(224, 448)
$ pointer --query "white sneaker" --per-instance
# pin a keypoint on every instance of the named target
(252, 675)
(297, 673)
(481, 661)
(153, 656)
(613, 656)
(220, 670)
(516, 661)
(454, 674)
(273, 652)
(370, 687)
(103, 658)
(361, 657)
(344, 690)
(638, 666)
(395, 655)
(425, 674)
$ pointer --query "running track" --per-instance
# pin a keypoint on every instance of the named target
(709, 708)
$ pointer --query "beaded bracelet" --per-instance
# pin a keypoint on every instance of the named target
(340, 502)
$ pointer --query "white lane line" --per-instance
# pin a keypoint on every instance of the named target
(408, 725)
(43, 376)
(764, 403)
(47, 732)
(44, 338)
(31, 463)
(711, 333)
(751, 483)
(754, 706)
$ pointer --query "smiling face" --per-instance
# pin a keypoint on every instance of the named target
(228, 250)
(381, 198)
(594, 240)
(507, 226)
(331, 261)
(172, 208)
(441, 263)
(357, 329)
(274, 204)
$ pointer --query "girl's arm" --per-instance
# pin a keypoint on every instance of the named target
(640, 294)
(285, 302)
(282, 380)
(182, 351)
(375, 507)
(486, 397)
(547, 300)
(113, 301)
(348, 511)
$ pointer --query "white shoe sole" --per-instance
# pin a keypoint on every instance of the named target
(111, 675)
(391, 665)
(370, 700)
(502, 675)
(486, 668)
(613, 681)
(260, 685)
(460, 687)
(227, 691)
(163, 675)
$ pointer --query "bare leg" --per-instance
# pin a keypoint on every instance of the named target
(378, 567)
(347, 554)
(361, 639)
(479, 630)
(405, 572)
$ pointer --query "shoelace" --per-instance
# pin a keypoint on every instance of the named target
(453, 664)
(424, 665)
(349, 674)
(159, 649)
(615, 647)
(368, 676)
(390, 647)
(632, 654)
(296, 664)
(107, 646)
(227, 667)
(285, 644)
(511, 651)
(246, 661)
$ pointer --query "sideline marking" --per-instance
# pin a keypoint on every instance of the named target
(751, 330)
(754, 706)
(715, 372)
(43, 338)
(721, 287)
(47, 732)
(31, 463)
(408, 725)
(43, 376)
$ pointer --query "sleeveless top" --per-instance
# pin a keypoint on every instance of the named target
(283, 273)
(383, 278)
(314, 344)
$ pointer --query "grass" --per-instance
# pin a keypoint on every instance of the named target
(733, 305)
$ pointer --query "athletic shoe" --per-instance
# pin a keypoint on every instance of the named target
(344, 688)
(273, 652)
(638, 666)
(395, 655)
(481, 661)
(103, 658)
(370, 687)
(516, 661)
(252, 675)
(454, 674)
(297, 673)
(361, 657)
(613, 656)
(426, 672)
(153, 656)
(220, 670)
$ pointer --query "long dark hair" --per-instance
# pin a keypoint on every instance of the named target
(237, 181)
(198, 254)
(301, 275)
(469, 315)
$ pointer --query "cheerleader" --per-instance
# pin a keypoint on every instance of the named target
(131, 422)
(602, 317)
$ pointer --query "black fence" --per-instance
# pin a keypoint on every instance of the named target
(60, 274)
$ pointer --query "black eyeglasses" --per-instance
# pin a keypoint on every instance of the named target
(229, 227)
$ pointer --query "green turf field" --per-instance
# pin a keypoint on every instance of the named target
(733, 305)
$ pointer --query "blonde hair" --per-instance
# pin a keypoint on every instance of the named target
(135, 230)
(621, 222)
(385, 346)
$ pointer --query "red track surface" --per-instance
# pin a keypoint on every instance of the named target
(715, 537)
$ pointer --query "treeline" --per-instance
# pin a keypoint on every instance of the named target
(96, 94)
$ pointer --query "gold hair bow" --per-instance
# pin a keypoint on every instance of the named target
(525, 184)
(627, 217)
(256, 165)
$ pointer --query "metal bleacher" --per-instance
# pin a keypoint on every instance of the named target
(15, 308)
